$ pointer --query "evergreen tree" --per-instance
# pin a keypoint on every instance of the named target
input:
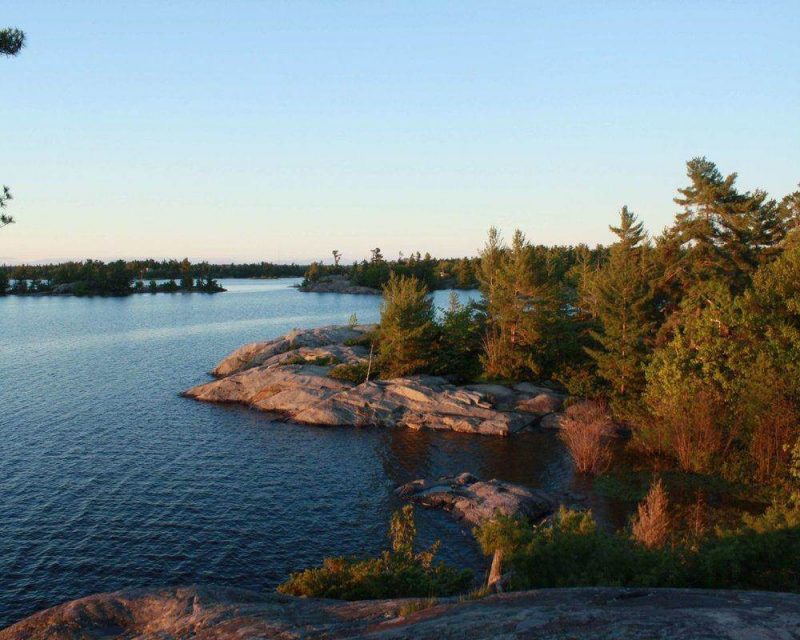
(522, 307)
(460, 342)
(407, 330)
(724, 234)
(5, 196)
(187, 281)
(619, 295)
(11, 41)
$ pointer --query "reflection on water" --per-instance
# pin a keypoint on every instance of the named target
(109, 479)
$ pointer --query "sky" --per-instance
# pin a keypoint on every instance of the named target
(279, 131)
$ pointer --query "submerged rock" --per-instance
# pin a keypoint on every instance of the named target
(289, 377)
(208, 613)
(476, 501)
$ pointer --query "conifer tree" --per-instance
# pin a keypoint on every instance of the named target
(725, 234)
(522, 308)
(407, 331)
(620, 297)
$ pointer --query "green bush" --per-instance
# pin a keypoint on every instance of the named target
(366, 339)
(570, 551)
(356, 373)
(396, 573)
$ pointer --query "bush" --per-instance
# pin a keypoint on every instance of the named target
(366, 339)
(396, 573)
(356, 373)
(570, 551)
(584, 428)
(320, 361)
(651, 526)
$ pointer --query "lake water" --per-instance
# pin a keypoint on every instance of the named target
(109, 479)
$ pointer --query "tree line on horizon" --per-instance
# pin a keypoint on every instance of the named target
(441, 273)
(95, 277)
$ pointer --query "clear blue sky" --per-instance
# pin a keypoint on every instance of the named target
(282, 130)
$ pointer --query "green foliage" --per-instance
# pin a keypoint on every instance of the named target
(366, 339)
(5, 196)
(619, 294)
(11, 41)
(396, 573)
(356, 373)
(726, 234)
(319, 361)
(460, 341)
(523, 310)
(408, 331)
(571, 551)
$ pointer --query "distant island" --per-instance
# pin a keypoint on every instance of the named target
(370, 276)
(121, 278)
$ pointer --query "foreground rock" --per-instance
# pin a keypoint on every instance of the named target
(289, 377)
(475, 501)
(207, 613)
(337, 284)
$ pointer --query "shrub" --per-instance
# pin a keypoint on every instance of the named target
(651, 526)
(570, 551)
(366, 339)
(396, 573)
(320, 361)
(584, 428)
(407, 329)
(356, 373)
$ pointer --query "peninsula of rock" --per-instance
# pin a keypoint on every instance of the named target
(289, 378)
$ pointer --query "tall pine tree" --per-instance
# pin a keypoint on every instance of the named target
(522, 306)
(620, 296)
(724, 234)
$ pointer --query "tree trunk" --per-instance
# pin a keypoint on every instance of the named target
(495, 581)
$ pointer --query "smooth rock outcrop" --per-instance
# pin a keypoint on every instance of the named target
(207, 613)
(289, 378)
(476, 501)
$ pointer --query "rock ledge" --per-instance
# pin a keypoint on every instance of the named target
(207, 613)
(288, 377)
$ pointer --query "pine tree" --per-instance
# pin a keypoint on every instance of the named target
(725, 234)
(522, 310)
(619, 295)
(186, 275)
(407, 331)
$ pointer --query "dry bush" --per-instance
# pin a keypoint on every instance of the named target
(694, 425)
(584, 428)
(769, 448)
(651, 525)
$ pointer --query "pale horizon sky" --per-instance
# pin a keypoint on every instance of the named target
(278, 131)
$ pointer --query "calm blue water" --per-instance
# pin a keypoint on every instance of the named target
(109, 479)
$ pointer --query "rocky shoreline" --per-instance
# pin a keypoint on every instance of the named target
(336, 284)
(289, 378)
(207, 613)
